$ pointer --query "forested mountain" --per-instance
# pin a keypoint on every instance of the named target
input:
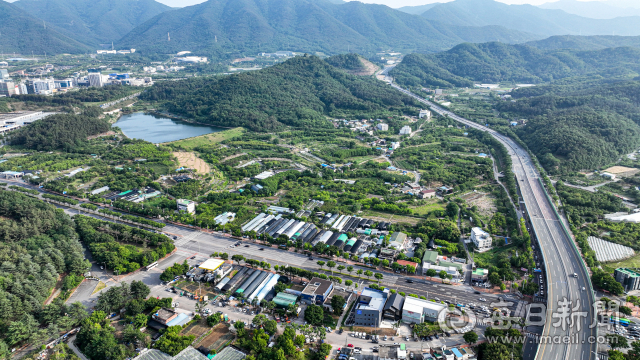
(39, 244)
(597, 42)
(300, 92)
(467, 64)
(349, 62)
(529, 18)
(94, 21)
(593, 9)
(578, 124)
(229, 28)
(22, 33)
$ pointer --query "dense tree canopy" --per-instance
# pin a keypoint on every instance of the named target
(299, 92)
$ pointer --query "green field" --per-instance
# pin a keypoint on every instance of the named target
(632, 262)
(216, 137)
(488, 257)
(425, 209)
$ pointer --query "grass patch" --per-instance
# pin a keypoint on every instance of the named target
(426, 209)
(100, 286)
(194, 142)
(159, 169)
(632, 262)
(486, 258)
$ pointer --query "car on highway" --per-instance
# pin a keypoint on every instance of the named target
(246, 246)
(410, 281)
(583, 288)
(476, 292)
(261, 249)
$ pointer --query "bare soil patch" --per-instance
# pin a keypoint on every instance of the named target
(190, 160)
(218, 337)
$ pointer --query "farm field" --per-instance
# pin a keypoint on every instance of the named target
(216, 137)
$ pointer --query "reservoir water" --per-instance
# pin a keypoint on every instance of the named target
(159, 129)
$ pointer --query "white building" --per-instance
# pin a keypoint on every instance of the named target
(607, 175)
(191, 59)
(481, 239)
(395, 145)
(424, 113)
(406, 130)
(97, 79)
(186, 205)
(416, 311)
(382, 127)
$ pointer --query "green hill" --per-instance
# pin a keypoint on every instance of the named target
(230, 28)
(22, 33)
(300, 92)
(578, 124)
(94, 21)
(467, 64)
(598, 42)
(528, 18)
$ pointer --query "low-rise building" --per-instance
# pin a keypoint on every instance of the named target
(481, 239)
(406, 130)
(480, 275)
(398, 240)
(426, 194)
(416, 311)
(393, 308)
(382, 127)
(317, 291)
(164, 316)
(430, 257)
(186, 205)
(425, 113)
(370, 306)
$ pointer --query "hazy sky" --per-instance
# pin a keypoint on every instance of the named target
(395, 3)
(391, 3)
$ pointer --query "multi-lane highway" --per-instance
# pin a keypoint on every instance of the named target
(567, 333)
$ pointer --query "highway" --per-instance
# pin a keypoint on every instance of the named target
(560, 256)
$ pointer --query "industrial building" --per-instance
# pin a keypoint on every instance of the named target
(370, 306)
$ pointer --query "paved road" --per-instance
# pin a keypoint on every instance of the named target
(560, 256)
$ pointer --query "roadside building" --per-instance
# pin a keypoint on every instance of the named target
(630, 279)
(317, 291)
(393, 308)
(481, 239)
(480, 275)
(430, 258)
(416, 311)
(370, 306)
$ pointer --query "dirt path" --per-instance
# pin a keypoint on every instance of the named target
(190, 160)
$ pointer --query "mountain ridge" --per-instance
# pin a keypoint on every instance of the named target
(302, 25)
(93, 22)
(23, 33)
(529, 19)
